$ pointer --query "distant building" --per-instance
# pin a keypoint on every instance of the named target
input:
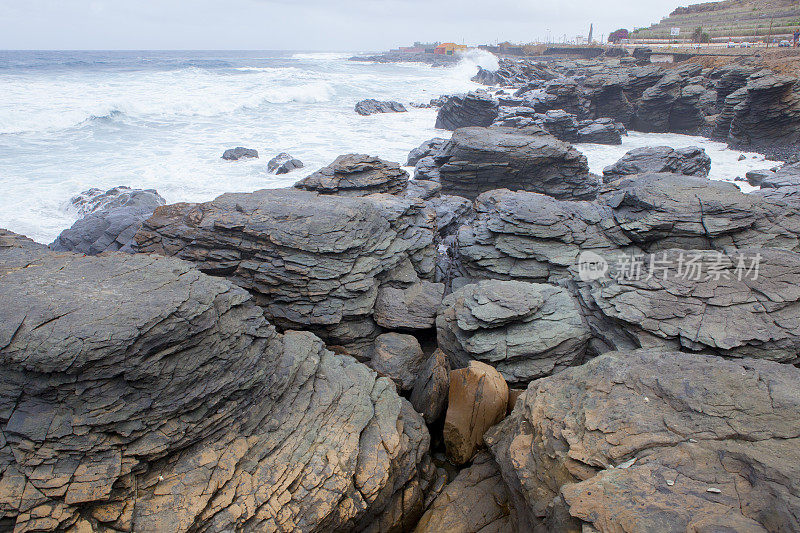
(449, 48)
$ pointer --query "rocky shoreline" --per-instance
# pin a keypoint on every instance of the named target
(502, 342)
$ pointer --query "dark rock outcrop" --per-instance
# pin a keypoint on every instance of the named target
(429, 148)
(481, 159)
(143, 395)
(461, 111)
(766, 111)
(235, 154)
(283, 163)
(313, 262)
(654, 441)
(690, 161)
(357, 175)
(743, 303)
(372, 106)
(110, 220)
(525, 330)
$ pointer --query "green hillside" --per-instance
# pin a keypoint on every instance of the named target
(738, 19)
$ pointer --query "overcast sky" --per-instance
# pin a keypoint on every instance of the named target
(308, 24)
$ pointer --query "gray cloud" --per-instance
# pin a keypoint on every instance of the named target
(307, 24)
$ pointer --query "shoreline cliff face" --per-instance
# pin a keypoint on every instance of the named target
(505, 342)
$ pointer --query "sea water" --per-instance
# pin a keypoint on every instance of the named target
(70, 121)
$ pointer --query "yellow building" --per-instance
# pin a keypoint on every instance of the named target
(450, 48)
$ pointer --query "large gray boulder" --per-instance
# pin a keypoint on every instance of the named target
(357, 175)
(655, 440)
(399, 357)
(312, 261)
(240, 152)
(743, 303)
(142, 395)
(532, 237)
(525, 330)
(110, 220)
(474, 109)
(482, 159)
(690, 161)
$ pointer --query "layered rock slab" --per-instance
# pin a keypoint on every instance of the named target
(655, 441)
(690, 161)
(311, 261)
(525, 330)
(140, 393)
(739, 303)
(357, 175)
(476, 160)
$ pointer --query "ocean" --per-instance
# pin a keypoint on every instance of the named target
(73, 120)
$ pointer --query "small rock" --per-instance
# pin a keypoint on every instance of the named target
(372, 106)
(429, 395)
(357, 175)
(411, 308)
(234, 154)
(399, 357)
(477, 400)
(283, 163)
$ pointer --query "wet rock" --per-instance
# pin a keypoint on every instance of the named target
(476, 401)
(372, 106)
(399, 357)
(736, 303)
(411, 308)
(601, 131)
(481, 159)
(110, 220)
(357, 175)
(476, 501)
(423, 189)
(768, 111)
(654, 441)
(690, 161)
(429, 395)
(428, 148)
(786, 176)
(235, 154)
(133, 383)
(474, 109)
(524, 330)
(313, 262)
(283, 163)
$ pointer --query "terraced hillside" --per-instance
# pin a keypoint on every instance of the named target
(737, 19)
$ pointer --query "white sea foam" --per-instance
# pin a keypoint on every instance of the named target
(322, 56)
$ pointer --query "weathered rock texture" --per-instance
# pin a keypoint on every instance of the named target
(740, 304)
(139, 394)
(311, 261)
(411, 308)
(655, 441)
(476, 401)
(372, 106)
(110, 220)
(357, 175)
(399, 357)
(474, 109)
(476, 501)
(429, 395)
(766, 110)
(482, 159)
(525, 330)
(688, 161)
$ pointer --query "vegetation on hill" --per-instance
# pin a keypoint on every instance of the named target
(729, 19)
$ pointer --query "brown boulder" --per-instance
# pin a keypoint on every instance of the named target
(477, 400)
